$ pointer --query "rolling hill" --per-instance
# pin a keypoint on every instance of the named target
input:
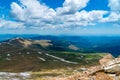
(18, 54)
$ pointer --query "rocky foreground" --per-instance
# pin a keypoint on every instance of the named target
(15, 76)
(109, 69)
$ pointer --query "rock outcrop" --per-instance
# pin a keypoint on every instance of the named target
(109, 69)
(105, 59)
(110, 66)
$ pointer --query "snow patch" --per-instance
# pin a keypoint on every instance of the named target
(61, 59)
(8, 55)
(9, 43)
(15, 76)
(19, 53)
(24, 74)
(8, 59)
(28, 52)
(39, 52)
(42, 59)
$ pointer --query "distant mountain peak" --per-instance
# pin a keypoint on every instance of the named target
(20, 42)
(17, 38)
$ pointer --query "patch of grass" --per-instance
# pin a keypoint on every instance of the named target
(63, 72)
(78, 57)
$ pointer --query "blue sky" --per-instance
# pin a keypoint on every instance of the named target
(60, 17)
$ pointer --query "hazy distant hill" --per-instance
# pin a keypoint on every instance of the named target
(90, 44)
(86, 44)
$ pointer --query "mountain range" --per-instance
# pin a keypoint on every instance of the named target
(42, 55)
(86, 44)
(19, 54)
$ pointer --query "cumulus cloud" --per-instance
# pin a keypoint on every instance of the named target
(82, 18)
(10, 24)
(114, 5)
(113, 17)
(34, 14)
(72, 6)
(114, 14)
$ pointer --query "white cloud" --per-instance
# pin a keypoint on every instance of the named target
(72, 6)
(114, 14)
(113, 17)
(17, 11)
(114, 5)
(33, 14)
(82, 18)
(31, 9)
(10, 24)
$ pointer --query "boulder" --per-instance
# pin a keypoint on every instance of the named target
(105, 59)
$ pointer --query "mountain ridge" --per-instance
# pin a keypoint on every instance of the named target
(36, 54)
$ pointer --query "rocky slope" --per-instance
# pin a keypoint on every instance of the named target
(109, 69)
(20, 54)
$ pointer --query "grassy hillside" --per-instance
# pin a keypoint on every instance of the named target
(19, 55)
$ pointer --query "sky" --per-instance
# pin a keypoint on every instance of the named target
(60, 17)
